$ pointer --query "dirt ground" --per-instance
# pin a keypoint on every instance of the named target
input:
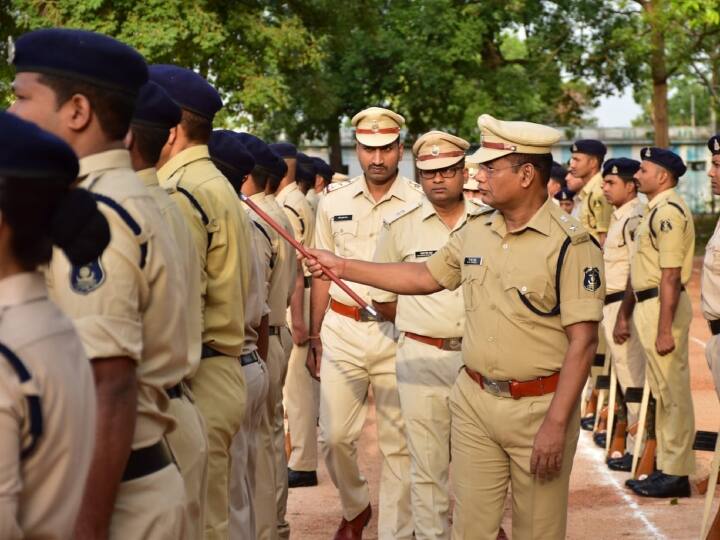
(600, 506)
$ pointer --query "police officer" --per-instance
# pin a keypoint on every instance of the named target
(47, 395)
(351, 352)
(221, 230)
(660, 268)
(271, 487)
(557, 179)
(528, 340)
(323, 178)
(155, 115)
(82, 86)
(301, 390)
(564, 198)
(710, 286)
(628, 359)
(586, 180)
(428, 353)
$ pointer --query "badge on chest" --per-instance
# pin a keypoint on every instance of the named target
(473, 261)
(343, 217)
(424, 254)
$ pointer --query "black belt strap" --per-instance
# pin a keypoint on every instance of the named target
(647, 294)
(174, 392)
(599, 360)
(614, 297)
(249, 358)
(308, 281)
(714, 327)
(274, 330)
(145, 461)
(208, 352)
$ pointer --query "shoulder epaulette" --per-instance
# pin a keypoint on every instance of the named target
(337, 185)
(570, 226)
(478, 208)
(404, 212)
(413, 184)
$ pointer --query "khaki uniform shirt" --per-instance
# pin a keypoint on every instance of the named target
(313, 198)
(126, 302)
(413, 235)
(189, 262)
(225, 259)
(256, 304)
(349, 222)
(665, 238)
(282, 278)
(301, 216)
(595, 210)
(40, 495)
(710, 284)
(619, 243)
(503, 338)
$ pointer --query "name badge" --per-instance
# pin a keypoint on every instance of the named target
(429, 253)
(473, 260)
(344, 217)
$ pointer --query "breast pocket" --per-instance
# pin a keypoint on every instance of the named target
(533, 289)
(473, 280)
(344, 232)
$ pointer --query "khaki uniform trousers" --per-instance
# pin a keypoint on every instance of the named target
(628, 360)
(189, 445)
(712, 355)
(302, 399)
(492, 441)
(271, 489)
(355, 356)
(669, 378)
(425, 376)
(242, 472)
(151, 507)
(219, 389)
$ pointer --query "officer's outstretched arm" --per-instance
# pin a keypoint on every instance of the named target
(400, 278)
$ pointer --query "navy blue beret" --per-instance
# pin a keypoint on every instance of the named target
(591, 147)
(279, 168)
(81, 55)
(665, 158)
(26, 151)
(284, 149)
(260, 150)
(714, 144)
(625, 167)
(564, 195)
(305, 168)
(322, 168)
(229, 153)
(558, 171)
(154, 107)
(188, 89)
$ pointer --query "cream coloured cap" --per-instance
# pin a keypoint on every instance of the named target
(499, 138)
(471, 185)
(437, 150)
(377, 126)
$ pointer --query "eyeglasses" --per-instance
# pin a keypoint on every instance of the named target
(447, 172)
(490, 171)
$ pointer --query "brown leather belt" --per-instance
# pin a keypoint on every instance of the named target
(516, 389)
(352, 312)
(714, 327)
(446, 344)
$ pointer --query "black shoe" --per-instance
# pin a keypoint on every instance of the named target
(588, 423)
(301, 478)
(665, 485)
(623, 463)
(633, 482)
(600, 439)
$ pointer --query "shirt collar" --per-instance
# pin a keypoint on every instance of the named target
(257, 197)
(148, 176)
(397, 189)
(587, 188)
(427, 210)
(660, 197)
(22, 288)
(103, 161)
(540, 221)
(287, 190)
(625, 209)
(187, 156)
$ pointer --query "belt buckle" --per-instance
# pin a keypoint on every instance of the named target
(365, 316)
(497, 388)
(452, 344)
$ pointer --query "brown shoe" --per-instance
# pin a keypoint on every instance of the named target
(352, 530)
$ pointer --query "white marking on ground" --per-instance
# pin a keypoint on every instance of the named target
(601, 468)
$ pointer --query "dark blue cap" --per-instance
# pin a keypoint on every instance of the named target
(713, 144)
(188, 89)
(322, 168)
(564, 195)
(624, 167)
(284, 149)
(26, 151)
(81, 55)
(591, 147)
(305, 168)
(665, 158)
(264, 157)
(558, 172)
(229, 153)
(154, 107)
(280, 168)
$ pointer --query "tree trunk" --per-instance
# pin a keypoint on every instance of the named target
(335, 148)
(658, 70)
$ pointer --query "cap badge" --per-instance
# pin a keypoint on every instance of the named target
(647, 152)
(435, 150)
(574, 148)
(10, 50)
(716, 145)
(375, 126)
(614, 169)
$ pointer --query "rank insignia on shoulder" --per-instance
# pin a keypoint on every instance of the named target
(344, 217)
(591, 279)
(85, 279)
(665, 225)
(473, 260)
(426, 253)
